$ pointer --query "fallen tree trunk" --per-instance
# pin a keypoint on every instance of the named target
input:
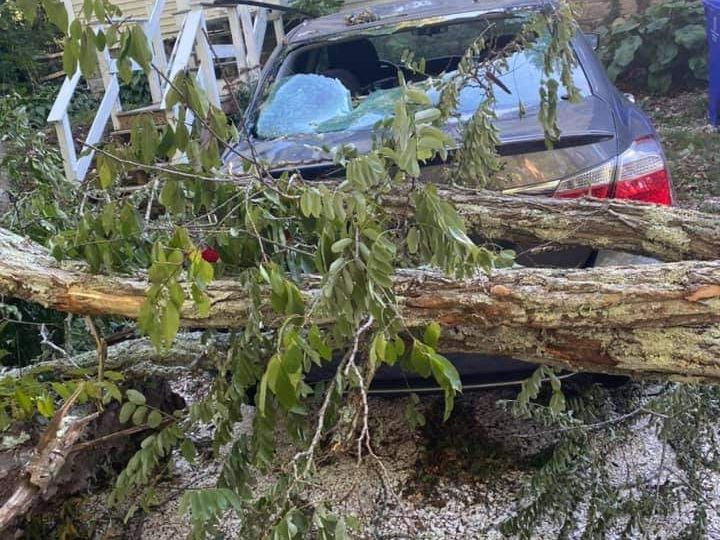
(665, 233)
(621, 320)
(676, 294)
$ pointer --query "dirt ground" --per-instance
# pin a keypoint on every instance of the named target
(691, 145)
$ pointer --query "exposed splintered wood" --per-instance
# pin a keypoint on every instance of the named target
(666, 233)
(623, 320)
(52, 450)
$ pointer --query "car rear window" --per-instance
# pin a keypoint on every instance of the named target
(353, 84)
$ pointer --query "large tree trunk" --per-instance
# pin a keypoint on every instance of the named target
(669, 234)
(635, 320)
(665, 233)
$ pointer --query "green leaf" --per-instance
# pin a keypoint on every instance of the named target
(416, 95)
(138, 48)
(126, 412)
(268, 380)
(413, 240)
(138, 416)
(29, 9)
(87, 57)
(432, 335)
(70, 57)
(419, 359)
(448, 378)
(23, 401)
(625, 53)
(170, 324)
(57, 15)
(135, 397)
(105, 172)
(699, 67)
(187, 450)
(45, 405)
(99, 7)
(318, 344)
(666, 53)
(340, 245)
(154, 419)
(691, 36)
(87, 9)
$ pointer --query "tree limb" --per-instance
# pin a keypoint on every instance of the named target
(621, 320)
(665, 233)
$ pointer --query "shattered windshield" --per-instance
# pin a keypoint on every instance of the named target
(352, 85)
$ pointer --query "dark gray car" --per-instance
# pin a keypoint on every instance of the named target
(334, 77)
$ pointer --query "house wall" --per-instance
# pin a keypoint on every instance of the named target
(142, 8)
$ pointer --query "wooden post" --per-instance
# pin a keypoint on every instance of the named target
(153, 78)
(157, 48)
(67, 148)
(259, 29)
(207, 66)
(253, 55)
(279, 28)
(108, 74)
(236, 32)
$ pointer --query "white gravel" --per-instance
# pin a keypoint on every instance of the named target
(426, 500)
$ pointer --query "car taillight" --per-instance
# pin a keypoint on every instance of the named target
(642, 174)
(638, 174)
(593, 183)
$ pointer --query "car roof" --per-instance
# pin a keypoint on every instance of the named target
(355, 20)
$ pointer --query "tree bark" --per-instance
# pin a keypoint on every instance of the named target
(665, 233)
(634, 320)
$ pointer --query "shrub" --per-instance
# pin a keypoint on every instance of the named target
(21, 42)
(665, 46)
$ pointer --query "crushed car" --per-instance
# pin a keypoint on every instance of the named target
(333, 78)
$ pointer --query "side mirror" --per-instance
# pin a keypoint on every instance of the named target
(593, 39)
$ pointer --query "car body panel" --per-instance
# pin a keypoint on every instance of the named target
(391, 16)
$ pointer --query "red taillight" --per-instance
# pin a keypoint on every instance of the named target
(642, 174)
(638, 174)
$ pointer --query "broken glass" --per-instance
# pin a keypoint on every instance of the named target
(376, 106)
(310, 103)
(300, 103)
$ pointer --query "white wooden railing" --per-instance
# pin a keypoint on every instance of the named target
(192, 50)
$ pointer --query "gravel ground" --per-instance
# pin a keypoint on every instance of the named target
(454, 481)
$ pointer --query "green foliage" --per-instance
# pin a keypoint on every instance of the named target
(40, 391)
(575, 485)
(23, 37)
(665, 47)
(33, 171)
(135, 92)
(317, 8)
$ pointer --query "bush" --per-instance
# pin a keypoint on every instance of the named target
(664, 47)
(21, 42)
